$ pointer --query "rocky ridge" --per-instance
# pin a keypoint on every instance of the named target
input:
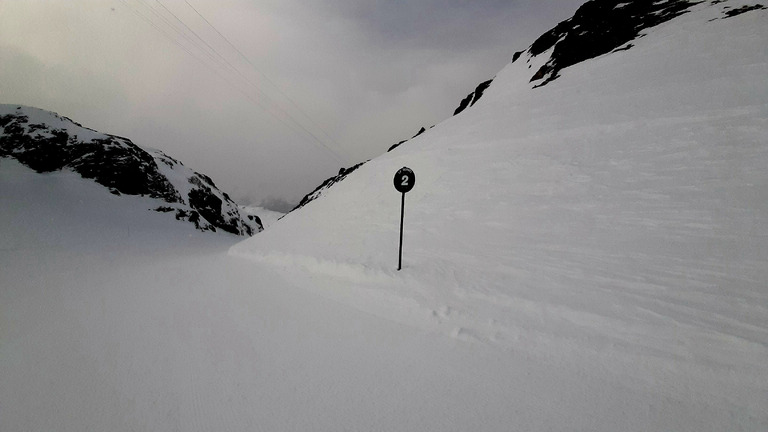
(45, 141)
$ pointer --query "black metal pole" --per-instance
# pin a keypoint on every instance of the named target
(402, 217)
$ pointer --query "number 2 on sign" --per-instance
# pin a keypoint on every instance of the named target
(404, 180)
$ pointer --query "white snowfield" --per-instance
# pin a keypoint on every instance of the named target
(617, 217)
(586, 256)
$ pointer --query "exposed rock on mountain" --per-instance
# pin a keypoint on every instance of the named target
(46, 141)
(343, 173)
(421, 131)
(473, 97)
(738, 11)
(599, 27)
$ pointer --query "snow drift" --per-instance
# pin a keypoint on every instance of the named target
(618, 212)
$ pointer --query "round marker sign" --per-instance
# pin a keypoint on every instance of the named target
(405, 179)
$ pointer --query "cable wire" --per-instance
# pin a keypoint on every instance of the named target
(222, 67)
(260, 72)
(258, 90)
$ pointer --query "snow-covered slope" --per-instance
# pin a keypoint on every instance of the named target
(584, 256)
(618, 213)
(113, 318)
(45, 142)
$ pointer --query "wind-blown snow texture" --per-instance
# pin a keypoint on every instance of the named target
(45, 142)
(588, 255)
(618, 214)
(135, 322)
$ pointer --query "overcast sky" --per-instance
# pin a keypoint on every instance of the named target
(297, 89)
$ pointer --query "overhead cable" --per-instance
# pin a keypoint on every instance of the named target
(198, 47)
(260, 72)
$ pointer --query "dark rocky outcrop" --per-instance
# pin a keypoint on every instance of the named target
(111, 161)
(473, 97)
(421, 131)
(744, 9)
(45, 142)
(599, 27)
(343, 173)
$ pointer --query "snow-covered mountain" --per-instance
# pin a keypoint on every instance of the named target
(619, 211)
(585, 255)
(46, 142)
(597, 28)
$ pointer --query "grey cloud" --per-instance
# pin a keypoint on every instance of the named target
(366, 73)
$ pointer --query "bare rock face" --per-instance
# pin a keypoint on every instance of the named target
(473, 97)
(599, 27)
(315, 194)
(45, 142)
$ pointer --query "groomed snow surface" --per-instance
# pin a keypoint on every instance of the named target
(586, 256)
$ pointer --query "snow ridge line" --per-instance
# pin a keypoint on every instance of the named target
(343, 270)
